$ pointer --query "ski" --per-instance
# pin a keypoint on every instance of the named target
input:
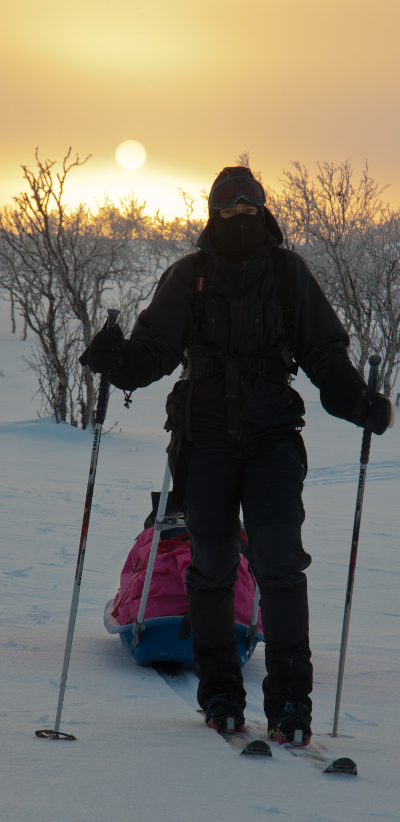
(253, 740)
(249, 743)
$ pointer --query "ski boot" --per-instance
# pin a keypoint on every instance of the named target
(290, 723)
(224, 716)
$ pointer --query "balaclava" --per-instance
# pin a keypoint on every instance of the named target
(236, 237)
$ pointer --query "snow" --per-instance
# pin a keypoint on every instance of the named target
(142, 751)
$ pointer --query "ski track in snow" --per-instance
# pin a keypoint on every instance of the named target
(385, 470)
(142, 750)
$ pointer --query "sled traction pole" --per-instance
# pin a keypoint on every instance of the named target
(253, 627)
(101, 411)
(374, 362)
(159, 526)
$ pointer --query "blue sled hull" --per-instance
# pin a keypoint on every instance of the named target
(160, 643)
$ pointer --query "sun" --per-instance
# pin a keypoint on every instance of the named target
(131, 155)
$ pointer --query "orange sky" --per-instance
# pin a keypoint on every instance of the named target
(198, 82)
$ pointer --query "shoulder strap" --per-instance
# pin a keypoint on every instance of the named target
(198, 288)
(282, 290)
(198, 302)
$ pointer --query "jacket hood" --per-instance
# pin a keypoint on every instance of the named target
(272, 226)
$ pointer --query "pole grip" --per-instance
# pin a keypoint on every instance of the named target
(102, 400)
(113, 314)
(112, 319)
(374, 363)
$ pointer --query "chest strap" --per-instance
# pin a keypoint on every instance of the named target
(273, 363)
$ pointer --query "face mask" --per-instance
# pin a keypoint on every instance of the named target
(236, 237)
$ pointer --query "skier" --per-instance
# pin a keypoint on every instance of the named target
(242, 313)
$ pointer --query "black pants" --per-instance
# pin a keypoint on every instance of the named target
(267, 481)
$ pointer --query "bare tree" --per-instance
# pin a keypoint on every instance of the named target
(338, 227)
(164, 242)
(35, 289)
(148, 253)
(244, 161)
(383, 248)
(57, 266)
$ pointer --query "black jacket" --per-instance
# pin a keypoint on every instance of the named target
(241, 313)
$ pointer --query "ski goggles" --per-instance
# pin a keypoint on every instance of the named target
(228, 192)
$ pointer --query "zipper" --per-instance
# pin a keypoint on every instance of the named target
(236, 308)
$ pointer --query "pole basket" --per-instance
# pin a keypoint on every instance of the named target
(49, 734)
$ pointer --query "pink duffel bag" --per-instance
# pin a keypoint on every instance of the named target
(167, 594)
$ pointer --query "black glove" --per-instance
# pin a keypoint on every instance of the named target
(377, 416)
(344, 394)
(106, 351)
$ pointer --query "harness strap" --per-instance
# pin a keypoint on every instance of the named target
(282, 290)
(198, 299)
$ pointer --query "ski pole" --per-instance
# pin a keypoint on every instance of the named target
(374, 362)
(101, 411)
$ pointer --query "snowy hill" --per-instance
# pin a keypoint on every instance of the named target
(142, 751)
